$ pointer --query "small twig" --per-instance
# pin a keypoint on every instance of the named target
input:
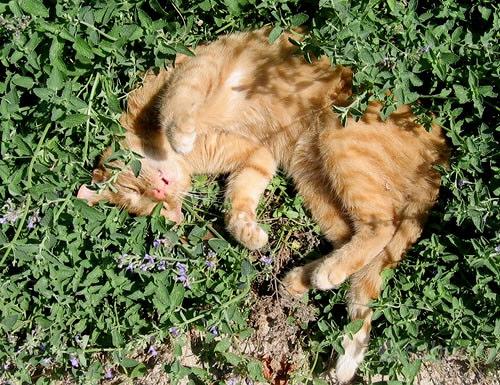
(98, 30)
(27, 202)
(89, 109)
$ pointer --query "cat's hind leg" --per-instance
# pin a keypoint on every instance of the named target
(312, 184)
(365, 287)
(369, 240)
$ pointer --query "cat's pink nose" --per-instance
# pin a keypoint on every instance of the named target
(161, 189)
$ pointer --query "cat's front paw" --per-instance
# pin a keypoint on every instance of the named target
(183, 142)
(296, 282)
(246, 230)
(328, 275)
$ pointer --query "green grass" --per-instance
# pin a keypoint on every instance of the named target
(66, 292)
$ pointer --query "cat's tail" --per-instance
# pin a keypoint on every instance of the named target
(365, 287)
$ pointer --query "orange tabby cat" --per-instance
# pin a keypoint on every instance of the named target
(243, 106)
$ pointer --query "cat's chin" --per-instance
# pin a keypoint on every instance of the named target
(174, 215)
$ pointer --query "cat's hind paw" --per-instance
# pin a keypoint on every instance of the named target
(296, 282)
(327, 276)
(246, 231)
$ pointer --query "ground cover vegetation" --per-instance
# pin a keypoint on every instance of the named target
(83, 290)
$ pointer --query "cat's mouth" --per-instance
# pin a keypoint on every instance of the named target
(172, 213)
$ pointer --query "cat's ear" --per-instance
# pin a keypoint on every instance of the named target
(87, 194)
(97, 176)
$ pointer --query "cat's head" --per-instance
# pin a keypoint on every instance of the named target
(164, 177)
(159, 182)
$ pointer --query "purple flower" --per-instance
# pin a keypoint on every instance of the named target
(182, 274)
(266, 260)
(159, 241)
(462, 182)
(130, 266)
(214, 331)
(74, 361)
(34, 220)
(232, 381)
(11, 213)
(210, 264)
(108, 374)
(497, 249)
(425, 48)
(174, 331)
(152, 351)
(144, 266)
(181, 268)
(161, 265)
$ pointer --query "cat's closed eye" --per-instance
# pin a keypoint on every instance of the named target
(131, 189)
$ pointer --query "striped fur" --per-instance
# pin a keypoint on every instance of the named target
(244, 107)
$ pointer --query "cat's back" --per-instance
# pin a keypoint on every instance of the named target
(397, 157)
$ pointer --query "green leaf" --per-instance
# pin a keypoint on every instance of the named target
(176, 296)
(275, 34)
(83, 48)
(449, 57)
(354, 326)
(136, 165)
(74, 120)
(56, 79)
(139, 371)
(129, 362)
(299, 19)
(366, 56)
(87, 211)
(485, 12)
(9, 321)
(34, 7)
(181, 48)
(233, 7)
(247, 268)
(255, 370)
(461, 93)
(22, 81)
(223, 345)
(232, 358)
(218, 245)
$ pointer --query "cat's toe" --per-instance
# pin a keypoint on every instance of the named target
(327, 276)
(183, 143)
(247, 231)
(295, 282)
